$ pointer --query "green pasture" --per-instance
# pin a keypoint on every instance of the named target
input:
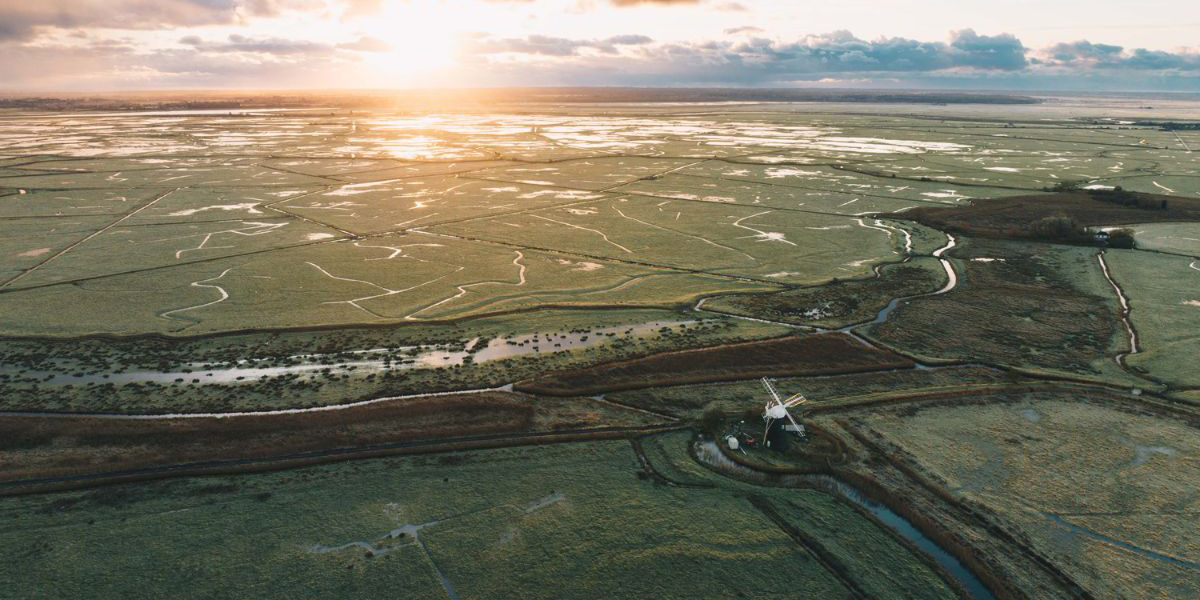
(1164, 297)
(566, 521)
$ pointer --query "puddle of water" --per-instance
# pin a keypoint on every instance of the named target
(1143, 454)
(1031, 415)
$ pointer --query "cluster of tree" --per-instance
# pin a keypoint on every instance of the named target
(1173, 125)
(1064, 186)
(1061, 228)
(1124, 198)
(1116, 195)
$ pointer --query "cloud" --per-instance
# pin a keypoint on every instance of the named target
(655, 2)
(366, 44)
(762, 59)
(1002, 51)
(95, 58)
(354, 8)
(748, 29)
(841, 52)
(243, 44)
(541, 45)
(628, 40)
(1083, 54)
(20, 19)
(584, 5)
(1083, 50)
(966, 59)
(110, 64)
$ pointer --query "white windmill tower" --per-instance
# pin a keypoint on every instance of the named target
(777, 409)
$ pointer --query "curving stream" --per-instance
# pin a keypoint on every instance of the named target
(1129, 330)
(953, 277)
(951, 283)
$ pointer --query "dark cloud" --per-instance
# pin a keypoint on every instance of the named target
(841, 52)
(837, 52)
(1086, 55)
(1083, 50)
(967, 59)
(1002, 51)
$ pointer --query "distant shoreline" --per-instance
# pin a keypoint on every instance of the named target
(250, 100)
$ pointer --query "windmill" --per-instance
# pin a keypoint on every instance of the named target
(777, 409)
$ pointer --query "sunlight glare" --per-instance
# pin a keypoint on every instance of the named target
(422, 36)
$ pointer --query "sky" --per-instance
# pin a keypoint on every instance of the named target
(1025, 45)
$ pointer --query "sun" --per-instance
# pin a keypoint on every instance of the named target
(421, 36)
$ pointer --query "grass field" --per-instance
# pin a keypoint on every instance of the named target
(1181, 238)
(839, 303)
(1164, 293)
(713, 237)
(1033, 305)
(395, 279)
(395, 204)
(145, 216)
(485, 524)
(1027, 458)
(619, 266)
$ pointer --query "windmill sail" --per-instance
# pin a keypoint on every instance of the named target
(771, 389)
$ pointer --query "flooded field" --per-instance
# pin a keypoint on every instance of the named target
(200, 223)
(526, 325)
(476, 350)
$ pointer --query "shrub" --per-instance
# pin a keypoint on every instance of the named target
(1065, 186)
(1057, 227)
(1121, 238)
(711, 419)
